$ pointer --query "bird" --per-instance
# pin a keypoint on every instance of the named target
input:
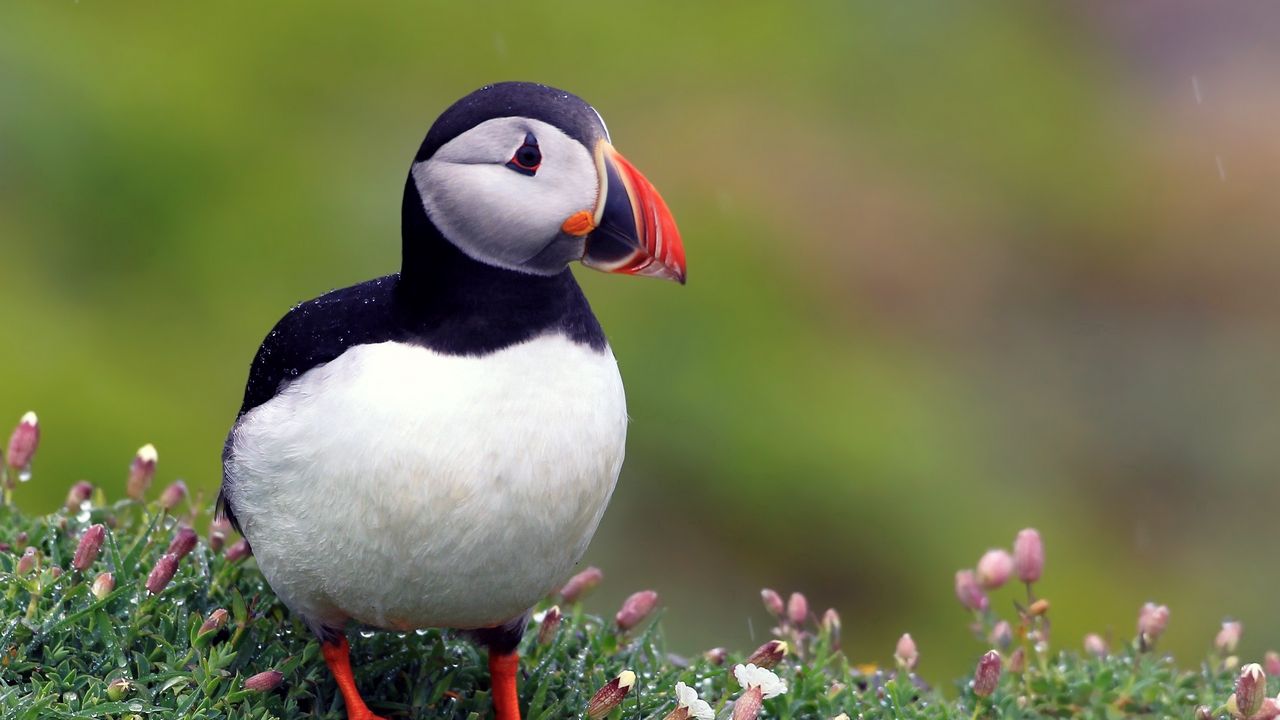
(435, 448)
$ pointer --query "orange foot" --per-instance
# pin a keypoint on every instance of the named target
(337, 656)
(502, 673)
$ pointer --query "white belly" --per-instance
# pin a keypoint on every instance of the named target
(405, 488)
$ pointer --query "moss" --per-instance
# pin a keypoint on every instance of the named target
(63, 647)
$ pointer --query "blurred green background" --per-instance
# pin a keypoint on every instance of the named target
(955, 269)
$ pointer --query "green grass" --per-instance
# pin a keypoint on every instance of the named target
(61, 646)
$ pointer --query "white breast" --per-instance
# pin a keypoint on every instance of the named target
(406, 488)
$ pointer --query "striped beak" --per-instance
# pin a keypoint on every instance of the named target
(631, 231)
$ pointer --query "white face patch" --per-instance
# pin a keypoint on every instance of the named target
(503, 217)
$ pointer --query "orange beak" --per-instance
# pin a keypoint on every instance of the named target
(631, 231)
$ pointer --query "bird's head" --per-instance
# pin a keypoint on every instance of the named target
(522, 176)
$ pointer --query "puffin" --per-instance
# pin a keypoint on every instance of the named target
(436, 447)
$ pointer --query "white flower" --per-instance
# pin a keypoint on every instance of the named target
(687, 697)
(750, 676)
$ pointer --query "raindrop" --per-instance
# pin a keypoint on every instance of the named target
(24, 474)
(1222, 171)
(366, 634)
(1195, 88)
(135, 707)
(420, 632)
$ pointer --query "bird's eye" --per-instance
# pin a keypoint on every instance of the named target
(527, 157)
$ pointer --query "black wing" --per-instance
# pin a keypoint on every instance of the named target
(311, 334)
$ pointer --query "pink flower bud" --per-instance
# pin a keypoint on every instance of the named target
(1002, 635)
(987, 675)
(772, 602)
(1271, 663)
(610, 696)
(994, 569)
(238, 551)
(905, 653)
(831, 625)
(218, 530)
(103, 585)
(117, 689)
(1251, 689)
(162, 573)
(797, 609)
(141, 471)
(769, 654)
(1095, 645)
(265, 681)
(55, 572)
(1228, 637)
(27, 562)
(635, 609)
(1018, 661)
(549, 625)
(581, 584)
(1152, 621)
(831, 620)
(78, 495)
(1028, 555)
(716, 655)
(174, 494)
(23, 442)
(747, 707)
(215, 622)
(89, 547)
(969, 592)
(184, 541)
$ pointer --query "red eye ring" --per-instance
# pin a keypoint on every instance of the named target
(527, 158)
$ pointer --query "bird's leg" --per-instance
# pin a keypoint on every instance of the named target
(337, 655)
(502, 673)
(504, 663)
